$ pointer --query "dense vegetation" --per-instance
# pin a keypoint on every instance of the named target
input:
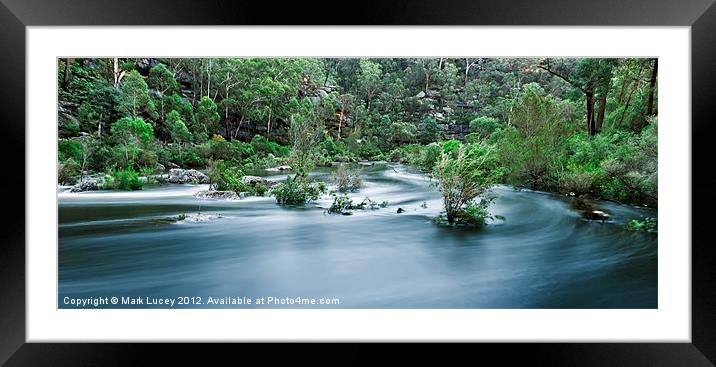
(584, 127)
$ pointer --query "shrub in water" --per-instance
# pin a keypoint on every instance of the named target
(347, 180)
(124, 179)
(297, 192)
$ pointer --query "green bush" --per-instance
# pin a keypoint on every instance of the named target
(463, 178)
(124, 179)
(451, 146)
(297, 192)
(67, 149)
(429, 156)
(67, 171)
(347, 180)
(648, 225)
(224, 177)
(264, 147)
(484, 126)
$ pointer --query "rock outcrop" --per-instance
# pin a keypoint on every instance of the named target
(190, 176)
(86, 185)
(214, 194)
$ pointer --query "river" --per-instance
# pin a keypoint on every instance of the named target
(543, 255)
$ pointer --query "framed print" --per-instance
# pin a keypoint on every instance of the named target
(537, 178)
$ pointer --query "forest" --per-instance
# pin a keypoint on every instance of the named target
(581, 128)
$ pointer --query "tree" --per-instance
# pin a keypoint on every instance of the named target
(131, 132)
(206, 116)
(530, 148)
(652, 88)
(592, 77)
(369, 80)
(305, 133)
(463, 177)
(134, 97)
(177, 128)
(162, 80)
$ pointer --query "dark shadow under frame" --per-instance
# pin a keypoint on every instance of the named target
(15, 15)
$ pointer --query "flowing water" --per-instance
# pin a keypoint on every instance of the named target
(543, 255)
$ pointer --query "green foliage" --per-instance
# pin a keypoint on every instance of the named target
(184, 156)
(67, 149)
(162, 79)
(530, 148)
(132, 130)
(224, 177)
(305, 132)
(132, 134)
(134, 97)
(430, 155)
(177, 128)
(67, 171)
(123, 179)
(428, 130)
(382, 108)
(465, 176)
(297, 191)
(342, 204)
(264, 147)
(450, 146)
(484, 126)
(206, 117)
(347, 180)
(648, 225)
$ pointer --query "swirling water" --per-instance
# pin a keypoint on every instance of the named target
(543, 255)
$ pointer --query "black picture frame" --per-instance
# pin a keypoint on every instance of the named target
(16, 15)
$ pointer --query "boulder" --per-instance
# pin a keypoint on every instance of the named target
(252, 180)
(279, 169)
(172, 165)
(214, 194)
(198, 218)
(160, 167)
(420, 95)
(86, 185)
(191, 176)
(596, 215)
(401, 210)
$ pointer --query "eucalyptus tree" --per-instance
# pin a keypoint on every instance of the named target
(134, 96)
(162, 80)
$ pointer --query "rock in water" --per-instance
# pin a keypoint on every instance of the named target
(191, 176)
(195, 218)
(597, 215)
(401, 210)
(252, 180)
(279, 169)
(212, 194)
(87, 185)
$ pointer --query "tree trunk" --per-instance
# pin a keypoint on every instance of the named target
(633, 89)
(226, 122)
(268, 132)
(208, 79)
(601, 111)
(99, 125)
(652, 85)
(590, 112)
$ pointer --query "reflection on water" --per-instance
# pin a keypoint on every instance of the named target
(542, 256)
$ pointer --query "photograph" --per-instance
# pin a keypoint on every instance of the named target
(357, 183)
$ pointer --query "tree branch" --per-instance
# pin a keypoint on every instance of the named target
(547, 69)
